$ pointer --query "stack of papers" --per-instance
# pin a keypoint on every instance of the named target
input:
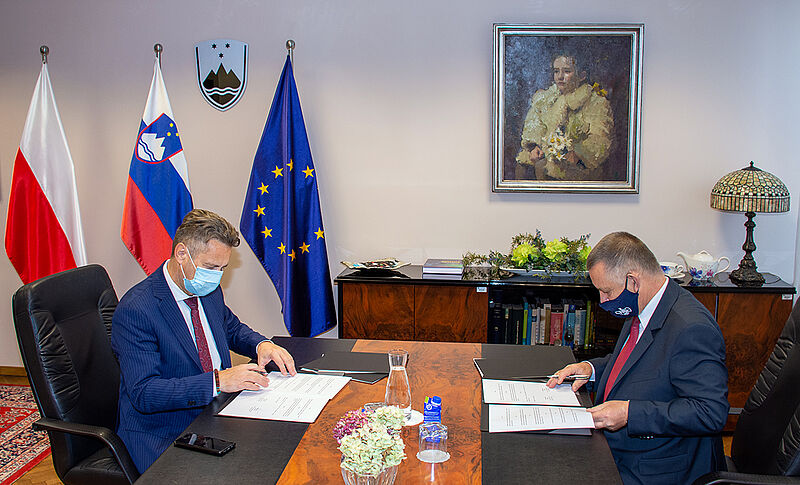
(532, 406)
(297, 398)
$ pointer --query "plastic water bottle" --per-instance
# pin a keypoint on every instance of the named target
(432, 410)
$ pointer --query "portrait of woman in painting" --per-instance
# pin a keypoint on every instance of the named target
(566, 108)
(567, 133)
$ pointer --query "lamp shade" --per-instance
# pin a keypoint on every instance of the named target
(750, 190)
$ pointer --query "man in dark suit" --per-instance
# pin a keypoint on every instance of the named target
(662, 393)
(172, 334)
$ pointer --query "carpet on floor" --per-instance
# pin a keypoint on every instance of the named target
(21, 448)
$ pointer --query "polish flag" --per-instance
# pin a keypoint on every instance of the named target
(43, 229)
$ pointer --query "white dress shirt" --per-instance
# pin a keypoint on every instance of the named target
(180, 298)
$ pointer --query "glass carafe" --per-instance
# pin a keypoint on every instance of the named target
(398, 391)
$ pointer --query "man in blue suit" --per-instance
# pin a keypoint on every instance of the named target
(172, 334)
(662, 393)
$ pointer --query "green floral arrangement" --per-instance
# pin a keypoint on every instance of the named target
(370, 441)
(531, 252)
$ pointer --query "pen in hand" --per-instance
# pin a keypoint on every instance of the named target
(554, 376)
(574, 377)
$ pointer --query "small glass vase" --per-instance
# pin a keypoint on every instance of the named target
(384, 477)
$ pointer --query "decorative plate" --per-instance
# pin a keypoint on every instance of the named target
(380, 264)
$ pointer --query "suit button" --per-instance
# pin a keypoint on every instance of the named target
(192, 403)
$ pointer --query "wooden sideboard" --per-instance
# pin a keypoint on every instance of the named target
(407, 305)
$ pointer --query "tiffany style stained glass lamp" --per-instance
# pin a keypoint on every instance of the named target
(749, 190)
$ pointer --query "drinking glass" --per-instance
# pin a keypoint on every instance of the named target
(433, 443)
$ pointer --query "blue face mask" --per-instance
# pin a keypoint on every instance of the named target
(625, 305)
(204, 282)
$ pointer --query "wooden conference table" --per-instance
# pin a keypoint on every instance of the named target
(295, 453)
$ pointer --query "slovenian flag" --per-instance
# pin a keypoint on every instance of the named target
(43, 229)
(158, 195)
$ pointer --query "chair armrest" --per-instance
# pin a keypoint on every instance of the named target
(744, 478)
(108, 437)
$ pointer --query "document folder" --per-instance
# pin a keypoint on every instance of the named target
(359, 366)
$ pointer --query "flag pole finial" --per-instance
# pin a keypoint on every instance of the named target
(290, 48)
(158, 49)
(44, 50)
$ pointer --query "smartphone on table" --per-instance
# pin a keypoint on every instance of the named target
(204, 444)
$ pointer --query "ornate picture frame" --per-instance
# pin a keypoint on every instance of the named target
(567, 108)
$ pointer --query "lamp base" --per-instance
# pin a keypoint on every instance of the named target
(747, 274)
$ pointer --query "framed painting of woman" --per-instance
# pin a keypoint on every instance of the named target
(567, 102)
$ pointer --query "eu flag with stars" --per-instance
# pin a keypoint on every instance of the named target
(281, 218)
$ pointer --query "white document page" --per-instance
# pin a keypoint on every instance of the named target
(508, 418)
(524, 392)
(297, 398)
(307, 384)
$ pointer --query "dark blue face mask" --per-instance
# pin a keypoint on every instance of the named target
(625, 305)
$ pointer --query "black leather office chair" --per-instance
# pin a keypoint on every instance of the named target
(63, 324)
(766, 441)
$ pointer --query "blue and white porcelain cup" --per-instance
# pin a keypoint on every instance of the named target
(671, 269)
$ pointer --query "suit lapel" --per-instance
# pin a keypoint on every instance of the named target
(646, 339)
(173, 317)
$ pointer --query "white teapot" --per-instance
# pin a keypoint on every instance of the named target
(703, 266)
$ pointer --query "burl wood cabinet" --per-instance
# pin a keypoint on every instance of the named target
(431, 313)
(402, 305)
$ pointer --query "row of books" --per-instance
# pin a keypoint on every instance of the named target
(569, 323)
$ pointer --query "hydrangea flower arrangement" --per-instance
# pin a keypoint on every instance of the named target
(531, 252)
(370, 442)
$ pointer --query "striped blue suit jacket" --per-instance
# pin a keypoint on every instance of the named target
(162, 384)
(677, 385)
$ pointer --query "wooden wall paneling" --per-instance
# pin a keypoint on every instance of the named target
(377, 311)
(751, 324)
(450, 313)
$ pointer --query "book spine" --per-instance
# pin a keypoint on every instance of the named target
(507, 324)
(540, 339)
(556, 324)
(525, 310)
(548, 320)
(517, 312)
(580, 327)
(590, 309)
(533, 325)
(569, 329)
(495, 323)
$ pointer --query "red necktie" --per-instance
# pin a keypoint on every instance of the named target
(199, 335)
(622, 357)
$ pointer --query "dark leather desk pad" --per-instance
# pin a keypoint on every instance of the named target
(537, 457)
(263, 448)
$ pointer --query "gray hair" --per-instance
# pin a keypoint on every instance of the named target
(622, 252)
(199, 226)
